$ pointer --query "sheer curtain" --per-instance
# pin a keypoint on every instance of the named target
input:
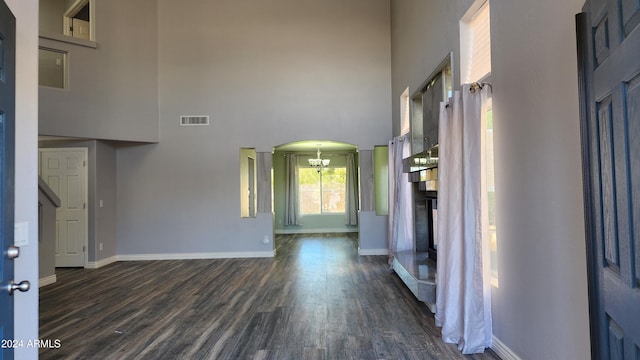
(463, 304)
(400, 229)
(291, 207)
(351, 205)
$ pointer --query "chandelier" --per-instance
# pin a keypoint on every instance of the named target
(318, 162)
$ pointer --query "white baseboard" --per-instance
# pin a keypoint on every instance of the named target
(193, 256)
(365, 252)
(47, 280)
(314, 231)
(503, 350)
(101, 263)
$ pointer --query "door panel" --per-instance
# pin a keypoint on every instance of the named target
(7, 174)
(64, 170)
(81, 29)
(611, 144)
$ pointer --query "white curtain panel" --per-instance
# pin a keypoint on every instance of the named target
(351, 211)
(400, 219)
(463, 293)
(291, 206)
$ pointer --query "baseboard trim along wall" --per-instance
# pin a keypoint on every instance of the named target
(47, 280)
(101, 263)
(366, 252)
(503, 350)
(314, 231)
(193, 256)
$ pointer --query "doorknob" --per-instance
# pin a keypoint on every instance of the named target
(22, 286)
(13, 252)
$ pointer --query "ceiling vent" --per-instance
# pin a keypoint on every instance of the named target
(189, 120)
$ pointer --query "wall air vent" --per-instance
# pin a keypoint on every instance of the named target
(188, 120)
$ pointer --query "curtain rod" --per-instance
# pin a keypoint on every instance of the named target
(480, 85)
(477, 86)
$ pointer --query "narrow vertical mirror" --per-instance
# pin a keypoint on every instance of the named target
(381, 179)
(248, 199)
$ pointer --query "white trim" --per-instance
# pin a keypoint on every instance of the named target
(503, 350)
(365, 252)
(47, 280)
(101, 263)
(69, 40)
(315, 231)
(193, 256)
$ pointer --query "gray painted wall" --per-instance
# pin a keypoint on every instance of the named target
(540, 309)
(267, 74)
(106, 193)
(26, 208)
(51, 13)
(113, 88)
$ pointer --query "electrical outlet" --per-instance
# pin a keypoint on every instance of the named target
(265, 240)
(100, 246)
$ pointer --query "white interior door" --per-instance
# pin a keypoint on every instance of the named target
(81, 29)
(65, 171)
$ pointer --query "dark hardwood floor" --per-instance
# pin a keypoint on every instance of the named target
(317, 299)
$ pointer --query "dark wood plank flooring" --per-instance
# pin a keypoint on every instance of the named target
(317, 299)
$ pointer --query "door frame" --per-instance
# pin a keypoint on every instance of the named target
(85, 152)
(7, 152)
(583, 40)
(69, 13)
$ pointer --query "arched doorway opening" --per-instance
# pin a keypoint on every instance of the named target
(315, 187)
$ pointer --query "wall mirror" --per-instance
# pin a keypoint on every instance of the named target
(248, 179)
(425, 106)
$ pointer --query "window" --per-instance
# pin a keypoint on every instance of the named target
(475, 60)
(475, 43)
(322, 192)
(489, 196)
(405, 121)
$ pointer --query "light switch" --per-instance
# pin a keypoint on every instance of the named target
(21, 234)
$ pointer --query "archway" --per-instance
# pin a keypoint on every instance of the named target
(315, 196)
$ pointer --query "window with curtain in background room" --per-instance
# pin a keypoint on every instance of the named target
(322, 192)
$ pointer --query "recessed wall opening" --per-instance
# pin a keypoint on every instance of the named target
(52, 68)
(315, 187)
(248, 198)
(78, 20)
